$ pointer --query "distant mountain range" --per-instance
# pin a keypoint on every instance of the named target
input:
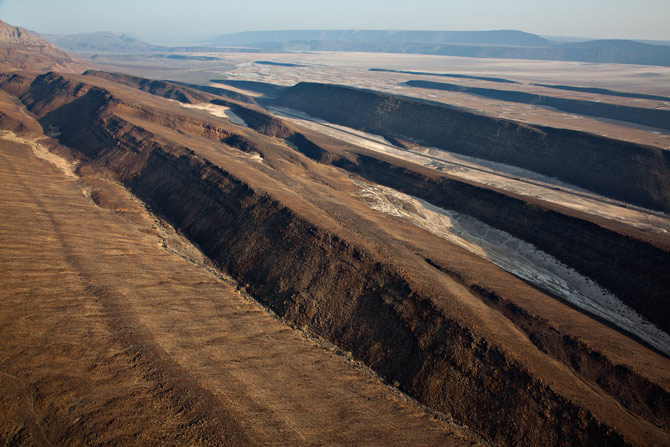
(505, 37)
(102, 41)
(108, 42)
(494, 44)
(505, 44)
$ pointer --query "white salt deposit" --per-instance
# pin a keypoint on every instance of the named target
(515, 256)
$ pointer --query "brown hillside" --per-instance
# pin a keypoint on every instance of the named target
(22, 50)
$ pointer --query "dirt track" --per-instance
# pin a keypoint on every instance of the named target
(109, 338)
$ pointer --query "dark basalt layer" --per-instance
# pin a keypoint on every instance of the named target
(579, 244)
(447, 75)
(631, 172)
(361, 304)
(633, 391)
(636, 115)
(605, 91)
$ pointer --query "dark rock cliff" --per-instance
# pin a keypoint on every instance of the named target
(636, 272)
(627, 171)
(360, 303)
(638, 115)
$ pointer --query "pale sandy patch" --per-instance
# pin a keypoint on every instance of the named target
(43, 153)
(217, 110)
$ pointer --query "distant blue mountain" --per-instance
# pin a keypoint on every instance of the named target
(616, 50)
(503, 37)
(491, 44)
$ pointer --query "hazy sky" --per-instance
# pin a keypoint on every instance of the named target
(158, 19)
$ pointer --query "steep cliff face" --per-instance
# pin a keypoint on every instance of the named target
(347, 294)
(257, 119)
(363, 305)
(633, 391)
(631, 172)
(636, 272)
(639, 115)
(14, 35)
(49, 91)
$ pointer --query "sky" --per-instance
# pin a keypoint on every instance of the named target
(160, 21)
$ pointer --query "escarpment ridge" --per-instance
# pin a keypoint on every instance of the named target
(657, 118)
(641, 284)
(631, 172)
(576, 242)
(158, 88)
(384, 310)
